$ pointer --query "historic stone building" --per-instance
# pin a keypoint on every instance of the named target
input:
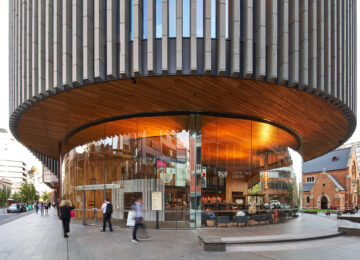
(332, 181)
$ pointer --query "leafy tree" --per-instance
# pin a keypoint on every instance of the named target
(4, 196)
(45, 196)
(28, 193)
(16, 197)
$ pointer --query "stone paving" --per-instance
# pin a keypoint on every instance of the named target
(40, 237)
(305, 225)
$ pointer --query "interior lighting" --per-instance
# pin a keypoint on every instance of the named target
(266, 177)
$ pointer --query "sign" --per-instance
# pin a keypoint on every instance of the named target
(156, 200)
(161, 164)
(98, 187)
(266, 177)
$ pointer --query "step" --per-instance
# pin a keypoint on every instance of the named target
(349, 228)
(220, 243)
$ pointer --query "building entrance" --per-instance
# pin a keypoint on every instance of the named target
(324, 203)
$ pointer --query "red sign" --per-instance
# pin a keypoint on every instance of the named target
(161, 164)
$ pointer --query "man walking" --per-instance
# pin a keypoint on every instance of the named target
(107, 210)
(139, 220)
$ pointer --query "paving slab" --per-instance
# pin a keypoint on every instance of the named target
(40, 237)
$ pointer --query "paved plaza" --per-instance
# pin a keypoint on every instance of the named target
(40, 237)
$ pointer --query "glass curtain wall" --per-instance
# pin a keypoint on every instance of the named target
(202, 166)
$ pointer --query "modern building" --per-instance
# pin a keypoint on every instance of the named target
(332, 181)
(15, 171)
(187, 103)
(12, 168)
(5, 184)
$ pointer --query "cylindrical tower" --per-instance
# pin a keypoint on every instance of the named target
(76, 65)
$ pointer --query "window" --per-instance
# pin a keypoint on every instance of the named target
(307, 199)
(172, 18)
(213, 18)
(145, 19)
(158, 19)
(310, 179)
(199, 18)
(131, 20)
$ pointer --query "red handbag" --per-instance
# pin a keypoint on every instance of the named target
(72, 213)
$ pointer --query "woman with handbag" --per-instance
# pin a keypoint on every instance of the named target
(66, 209)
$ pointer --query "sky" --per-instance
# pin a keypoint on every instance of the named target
(4, 57)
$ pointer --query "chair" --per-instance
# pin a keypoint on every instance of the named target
(223, 221)
(282, 217)
(240, 220)
(269, 218)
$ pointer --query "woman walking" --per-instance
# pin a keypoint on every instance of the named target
(46, 205)
(42, 208)
(65, 208)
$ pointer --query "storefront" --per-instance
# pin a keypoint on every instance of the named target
(199, 162)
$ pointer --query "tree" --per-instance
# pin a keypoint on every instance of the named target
(16, 197)
(28, 193)
(4, 195)
(45, 196)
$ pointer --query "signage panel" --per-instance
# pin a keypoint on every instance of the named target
(156, 200)
(98, 187)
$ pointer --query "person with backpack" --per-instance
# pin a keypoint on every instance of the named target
(107, 210)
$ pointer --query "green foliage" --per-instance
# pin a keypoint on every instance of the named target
(319, 210)
(28, 193)
(255, 190)
(45, 196)
(4, 196)
(16, 197)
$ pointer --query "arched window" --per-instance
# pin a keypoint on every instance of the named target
(307, 199)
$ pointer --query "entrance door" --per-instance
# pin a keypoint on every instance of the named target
(92, 202)
(324, 203)
(177, 207)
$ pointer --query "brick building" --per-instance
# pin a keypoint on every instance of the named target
(332, 180)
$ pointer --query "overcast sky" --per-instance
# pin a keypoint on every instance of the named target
(4, 72)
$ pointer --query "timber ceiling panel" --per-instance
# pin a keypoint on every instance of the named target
(322, 126)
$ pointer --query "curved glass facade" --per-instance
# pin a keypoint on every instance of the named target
(197, 164)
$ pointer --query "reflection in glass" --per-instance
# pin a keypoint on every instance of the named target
(202, 165)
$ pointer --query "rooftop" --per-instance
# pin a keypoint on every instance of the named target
(335, 160)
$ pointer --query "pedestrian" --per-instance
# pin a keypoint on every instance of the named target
(107, 210)
(357, 208)
(57, 208)
(65, 209)
(37, 207)
(139, 220)
(42, 208)
(46, 205)
(18, 207)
